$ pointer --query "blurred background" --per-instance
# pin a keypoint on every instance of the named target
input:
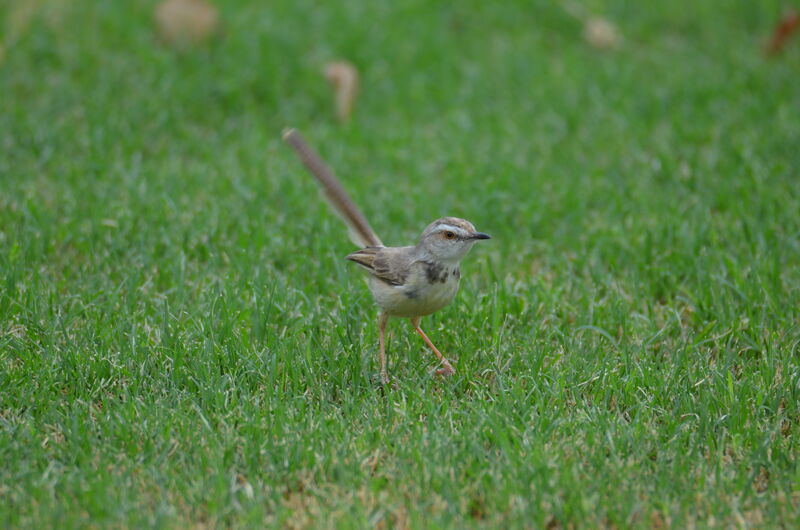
(549, 120)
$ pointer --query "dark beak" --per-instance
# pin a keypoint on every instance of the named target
(480, 235)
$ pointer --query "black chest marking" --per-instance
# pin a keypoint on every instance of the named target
(435, 272)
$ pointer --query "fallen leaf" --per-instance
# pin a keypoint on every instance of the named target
(343, 76)
(787, 25)
(600, 33)
(184, 23)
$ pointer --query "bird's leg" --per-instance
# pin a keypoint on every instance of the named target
(382, 319)
(447, 368)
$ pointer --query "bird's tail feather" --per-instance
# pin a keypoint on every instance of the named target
(361, 233)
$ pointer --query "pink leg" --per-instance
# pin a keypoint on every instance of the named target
(382, 319)
(447, 368)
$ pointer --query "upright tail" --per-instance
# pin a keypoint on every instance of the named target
(361, 233)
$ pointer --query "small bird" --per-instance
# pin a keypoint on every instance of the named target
(409, 282)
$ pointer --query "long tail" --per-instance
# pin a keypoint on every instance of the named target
(361, 233)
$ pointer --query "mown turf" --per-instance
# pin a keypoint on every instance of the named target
(182, 343)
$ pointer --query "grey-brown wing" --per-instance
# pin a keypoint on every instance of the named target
(388, 264)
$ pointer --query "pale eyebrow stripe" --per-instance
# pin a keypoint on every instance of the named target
(451, 228)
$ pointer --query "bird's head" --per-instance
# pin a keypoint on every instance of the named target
(450, 238)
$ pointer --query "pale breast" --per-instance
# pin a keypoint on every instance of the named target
(429, 287)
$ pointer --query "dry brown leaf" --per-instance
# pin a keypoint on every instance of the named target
(600, 33)
(186, 22)
(784, 29)
(343, 76)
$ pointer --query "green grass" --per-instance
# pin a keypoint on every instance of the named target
(182, 343)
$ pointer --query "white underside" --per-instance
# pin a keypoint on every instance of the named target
(426, 297)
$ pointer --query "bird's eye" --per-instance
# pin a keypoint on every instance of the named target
(449, 235)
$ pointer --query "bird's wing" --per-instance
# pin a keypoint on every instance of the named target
(387, 264)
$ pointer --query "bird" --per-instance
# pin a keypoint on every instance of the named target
(405, 282)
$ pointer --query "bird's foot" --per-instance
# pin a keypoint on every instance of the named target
(446, 370)
(384, 381)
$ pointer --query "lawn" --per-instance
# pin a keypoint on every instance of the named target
(182, 343)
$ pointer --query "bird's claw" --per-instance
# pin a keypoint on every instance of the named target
(446, 370)
(384, 381)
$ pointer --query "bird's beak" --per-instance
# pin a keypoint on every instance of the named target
(480, 235)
